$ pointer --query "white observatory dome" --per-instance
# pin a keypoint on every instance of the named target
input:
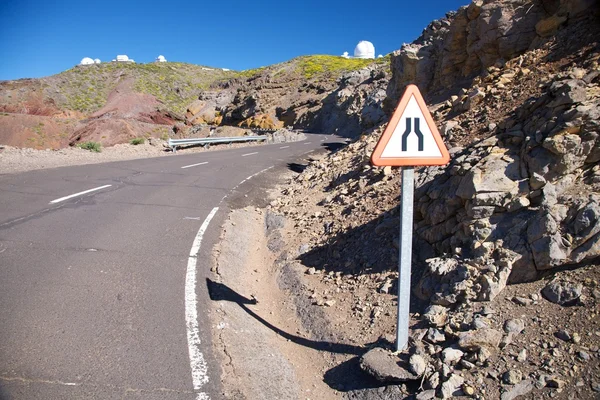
(161, 59)
(364, 49)
(86, 61)
(97, 61)
(123, 58)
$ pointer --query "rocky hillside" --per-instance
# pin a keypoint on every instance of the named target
(109, 103)
(317, 93)
(113, 103)
(515, 88)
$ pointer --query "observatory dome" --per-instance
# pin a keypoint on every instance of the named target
(161, 58)
(123, 58)
(364, 49)
(97, 61)
(86, 61)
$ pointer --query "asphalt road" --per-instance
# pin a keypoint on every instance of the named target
(93, 301)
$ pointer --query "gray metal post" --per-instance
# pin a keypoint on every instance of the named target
(405, 256)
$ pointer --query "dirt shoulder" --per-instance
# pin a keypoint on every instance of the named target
(266, 352)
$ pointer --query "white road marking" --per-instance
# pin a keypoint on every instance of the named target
(78, 194)
(322, 140)
(308, 143)
(248, 178)
(197, 361)
(194, 165)
(284, 147)
(249, 154)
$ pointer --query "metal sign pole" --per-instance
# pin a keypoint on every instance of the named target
(405, 256)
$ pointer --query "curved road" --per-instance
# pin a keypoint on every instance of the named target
(97, 293)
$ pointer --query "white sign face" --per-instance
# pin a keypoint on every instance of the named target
(412, 136)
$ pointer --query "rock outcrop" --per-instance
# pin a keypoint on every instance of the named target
(453, 50)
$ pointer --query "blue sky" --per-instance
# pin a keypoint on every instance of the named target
(40, 38)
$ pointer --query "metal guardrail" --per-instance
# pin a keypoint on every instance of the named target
(173, 143)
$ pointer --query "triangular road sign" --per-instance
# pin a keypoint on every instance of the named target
(411, 137)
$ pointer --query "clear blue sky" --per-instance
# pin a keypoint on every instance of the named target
(40, 38)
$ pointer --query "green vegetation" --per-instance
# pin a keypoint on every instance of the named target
(136, 141)
(249, 73)
(177, 84)
(91, 146)
(311, 66)
(86, 88)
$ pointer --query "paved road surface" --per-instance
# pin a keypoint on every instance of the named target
(93, 300)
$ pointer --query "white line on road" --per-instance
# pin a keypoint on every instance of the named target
(197, 362)
(248, 178)
(78, 194)
(195, 165)
(284, 147)
(249, 154)
(308, 143)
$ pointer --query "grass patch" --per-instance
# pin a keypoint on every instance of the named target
(136, 141)
(311, 66)
(91, 146)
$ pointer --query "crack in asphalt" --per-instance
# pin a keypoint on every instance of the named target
(125, 390)
(38, 245)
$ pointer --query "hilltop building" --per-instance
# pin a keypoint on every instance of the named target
(160, 59)
(364, 49)
(86, 61)
(97, 61)
(124, 58)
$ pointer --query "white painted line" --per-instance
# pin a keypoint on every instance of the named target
(284, 147)
(248, 178)
(322, 140)
(249, 154)
(195, 165)
(78, 194)
(308, 143)
(197, 361)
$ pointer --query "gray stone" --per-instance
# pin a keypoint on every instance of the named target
(273, 221)
(385, 366)
(435, 336)
(514, 326)
(563, 335)
(450, 355)
(568, 92)
(522, 301)
(436, 315)
(512, 377)
(479, 339)
(417, 364)
(563, 293)
(520, 389)
(432, 381)
(536, 181)
(584, 355)
(452, 386)
(426, 395)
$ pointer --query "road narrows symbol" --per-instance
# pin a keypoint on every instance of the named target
(408, 131)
